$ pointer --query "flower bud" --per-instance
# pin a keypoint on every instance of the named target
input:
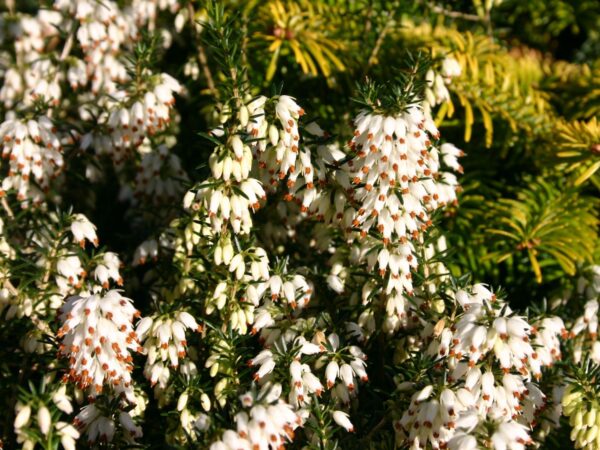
(44, 420)
(205, 402)
(341, 418)
(182, 402)
(244, 116)
(22, 417)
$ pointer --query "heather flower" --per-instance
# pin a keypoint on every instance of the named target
(165, 343)
(97, 336)
(34, 152)
(83, 230)
(268, 423)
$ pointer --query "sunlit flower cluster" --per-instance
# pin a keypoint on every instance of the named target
(98, 427)
(279, 151)
(271, 149)
(492, 357)
(28, 413)
(393, 183)
(437, 82)
(268, 423)
(36, 78)
(584, 329)
(583, 417)
(97, 338)
(131, 121)
(288, 278)
(103, 30)
(165, 344)
(34, 153)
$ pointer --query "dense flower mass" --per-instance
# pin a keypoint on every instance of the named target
(128, 126)
(97, 338)
(491, 366)
(242, 226)
(34, 152)
(165, 343)
(269, 423)
(393, 183)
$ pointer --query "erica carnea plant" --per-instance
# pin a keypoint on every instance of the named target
(247, 225)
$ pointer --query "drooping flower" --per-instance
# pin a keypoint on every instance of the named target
(165, 343)
(34, 152)
(97, 337)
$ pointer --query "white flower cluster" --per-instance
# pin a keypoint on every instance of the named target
(233, 193)
(83, 230)
(70, 273)
(44, 422)
(393, 184)
(105, 34)
(97, 337)
(263, 300)
(249, 269)
(225, 205)
(130, 123)
(437, 82)
(584, 418)
(585, 328)
(588, 321)
(400, 312)
(486, 338)
(160, 176)
(165, 344)
(34, 153)
(146, 11)
(347, 369)
(252, 290)
(317, 365)
(278, 151)
(92, 421)
(145, 251)
(395, 178)
(108, 269)
(269, 423)
(343, 369)
(64, 270)
(278, 292)
(507, 435)
(33, 76)
(191, 422)
(103, 30)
